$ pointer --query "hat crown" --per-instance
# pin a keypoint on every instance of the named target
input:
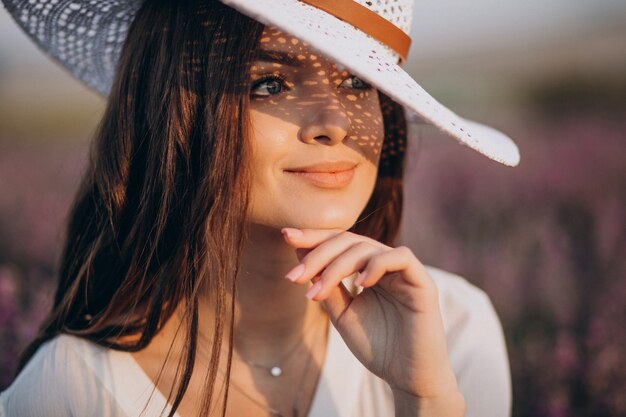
(398, 12)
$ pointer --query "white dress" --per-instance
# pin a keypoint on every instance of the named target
(69, 376)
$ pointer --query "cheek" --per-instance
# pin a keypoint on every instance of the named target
(367, 130)
(269, 141)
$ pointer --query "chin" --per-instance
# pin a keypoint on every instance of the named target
(335, 219)
(305, 209)
(324, 224)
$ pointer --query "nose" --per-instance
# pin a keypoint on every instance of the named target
(329, 123)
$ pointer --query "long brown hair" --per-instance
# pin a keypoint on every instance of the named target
(161, 210)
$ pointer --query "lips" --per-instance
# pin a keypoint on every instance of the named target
(335, 174)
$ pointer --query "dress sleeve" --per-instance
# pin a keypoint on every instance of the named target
(38, 390)
(56, 383)
(476, 346)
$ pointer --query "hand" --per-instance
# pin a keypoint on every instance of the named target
(394, 325)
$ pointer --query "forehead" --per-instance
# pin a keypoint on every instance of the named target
(274, 38)
(282, 48)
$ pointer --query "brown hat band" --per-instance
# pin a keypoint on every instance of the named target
(367, 21)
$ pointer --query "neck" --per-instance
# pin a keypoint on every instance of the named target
(272, 314)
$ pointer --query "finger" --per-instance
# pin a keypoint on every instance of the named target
(347, 263)
(321, 256)
(400, 259)
(308, 238)
(337, 302)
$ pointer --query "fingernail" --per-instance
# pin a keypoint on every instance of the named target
(295, 273)
(314, 290)
(361, 278)
(291, 233)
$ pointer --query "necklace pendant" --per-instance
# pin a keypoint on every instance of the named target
(276, 371)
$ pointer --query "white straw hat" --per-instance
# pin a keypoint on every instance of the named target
(367, 37)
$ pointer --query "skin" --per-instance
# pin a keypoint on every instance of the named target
(299, 251)
(318, 113)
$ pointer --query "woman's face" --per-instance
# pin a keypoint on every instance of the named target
(317, 133)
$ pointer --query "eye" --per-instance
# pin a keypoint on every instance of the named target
(268, 85)
(356, 83)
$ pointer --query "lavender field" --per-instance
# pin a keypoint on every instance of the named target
(546, 241)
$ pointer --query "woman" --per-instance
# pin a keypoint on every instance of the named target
(232, 153)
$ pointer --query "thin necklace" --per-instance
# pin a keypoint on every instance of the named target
(277, 369)
(272, 410)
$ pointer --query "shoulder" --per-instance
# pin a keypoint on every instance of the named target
(59, 380)
(476, 344)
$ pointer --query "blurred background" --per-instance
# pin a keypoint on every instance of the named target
(546, 240)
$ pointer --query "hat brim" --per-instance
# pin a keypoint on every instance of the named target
(91, 42)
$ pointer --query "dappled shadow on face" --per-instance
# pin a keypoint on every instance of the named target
(322, 102)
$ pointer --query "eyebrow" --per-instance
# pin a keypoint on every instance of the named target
(284, 58)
